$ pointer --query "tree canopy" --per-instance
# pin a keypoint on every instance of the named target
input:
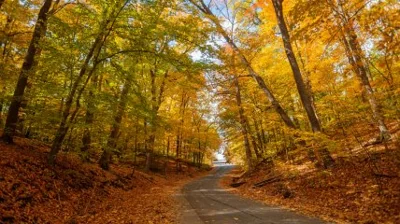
(113, 80)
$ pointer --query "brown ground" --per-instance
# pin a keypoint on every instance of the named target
(73, 192)
(363, 187)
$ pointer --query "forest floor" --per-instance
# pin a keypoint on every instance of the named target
(362, 187)
(74, 192)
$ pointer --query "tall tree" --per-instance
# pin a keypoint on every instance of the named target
(26, 70)
(359, 64)
(305, 96)
(92, 56)
(243, 124)
(89, 118)
(105, 158)
(200, 5)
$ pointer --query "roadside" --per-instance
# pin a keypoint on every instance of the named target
(76, 192)
(363, 188)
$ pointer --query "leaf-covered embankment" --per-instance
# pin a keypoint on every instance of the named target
(74, 192)
(362, 187)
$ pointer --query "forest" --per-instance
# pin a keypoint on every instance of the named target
(303, 96)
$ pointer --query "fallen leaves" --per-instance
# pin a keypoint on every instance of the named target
(73, 192)
(348, 193)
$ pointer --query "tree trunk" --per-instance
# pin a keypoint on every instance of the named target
(307, 80)
(301, 87)
(89, 118)
(136, 141)
(243, 125)
(93, 52)
(26, 70)
(355, 56)
(156, 101)
(179, 138)
(324, 155)
(113, 137)
(1, 110)
(168, 145)
(65, 121)
(178, 152)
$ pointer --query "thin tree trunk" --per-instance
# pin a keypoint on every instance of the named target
(105, 159)
(136, 140)
(307, 80)
(243, 124)
(323, 154)
(156, 101)
(93, 52)
(1, 109)
(154, 108)
(259, 135)
(64, 124)
(179, 138)
(178, 152)
(301, 87)
(26, 70)
(168, 145)
(89, 118)
(355, 55)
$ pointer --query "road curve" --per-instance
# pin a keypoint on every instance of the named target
(206, 202)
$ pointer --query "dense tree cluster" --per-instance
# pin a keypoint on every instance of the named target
(120, 78)
(106, 79)
(320, 70)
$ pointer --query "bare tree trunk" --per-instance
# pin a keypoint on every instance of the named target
(243, 124)
(112, 139)
(301, 87)
(26, 70)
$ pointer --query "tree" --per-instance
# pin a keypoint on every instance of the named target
(92, 56)
(105, 158)
(244, 124)
(26, 71)
(200, 5)
(305, 96)
(356, 59)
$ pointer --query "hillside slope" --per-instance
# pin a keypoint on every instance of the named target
(362, 187)
(73, 192)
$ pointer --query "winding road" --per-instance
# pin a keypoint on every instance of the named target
(205, 202)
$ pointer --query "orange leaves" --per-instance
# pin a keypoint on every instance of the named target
(31, 191)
